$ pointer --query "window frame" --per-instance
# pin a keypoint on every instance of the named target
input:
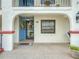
(53, 21)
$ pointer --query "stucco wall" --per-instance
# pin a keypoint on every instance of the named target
(75, 40)
(16, 29)
(62, 26)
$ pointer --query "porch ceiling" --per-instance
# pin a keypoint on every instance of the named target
(45, 14)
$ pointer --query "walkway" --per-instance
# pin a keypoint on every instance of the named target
(39, 51)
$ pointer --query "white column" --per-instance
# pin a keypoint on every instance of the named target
(7, 39)
(74, 39)
(74, 4)
(7, 42)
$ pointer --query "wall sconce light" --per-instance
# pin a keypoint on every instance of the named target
(77, 18)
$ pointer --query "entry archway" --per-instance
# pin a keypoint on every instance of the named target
(62, 27)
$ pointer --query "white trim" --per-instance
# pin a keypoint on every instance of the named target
(42, 8)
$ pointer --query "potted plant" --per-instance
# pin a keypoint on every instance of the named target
(47, 3)
(74, 51)
(57, 5)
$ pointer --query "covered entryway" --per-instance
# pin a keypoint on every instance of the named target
(52, 28)
(41, 28)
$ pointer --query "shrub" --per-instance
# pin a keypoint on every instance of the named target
(74, 48)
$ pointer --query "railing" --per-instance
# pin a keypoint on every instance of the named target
(41, 3)
(58, 3)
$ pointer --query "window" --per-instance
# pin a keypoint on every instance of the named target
(0, 4)
(47, 26)
(77, 17)
(47, 2)
(26, 2)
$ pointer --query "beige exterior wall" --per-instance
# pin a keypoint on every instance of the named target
(62, 26)
(16, 28)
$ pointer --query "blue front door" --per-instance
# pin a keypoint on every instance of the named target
(26, 26)
(22, 30)
(22, 34)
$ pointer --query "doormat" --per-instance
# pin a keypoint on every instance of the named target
(23, 43)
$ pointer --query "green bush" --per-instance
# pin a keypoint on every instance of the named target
(74, 48)
(47, 3)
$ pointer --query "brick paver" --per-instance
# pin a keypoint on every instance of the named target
(39, 51)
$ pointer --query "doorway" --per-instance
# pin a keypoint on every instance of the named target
(26, 29)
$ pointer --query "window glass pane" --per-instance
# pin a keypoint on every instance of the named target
(48, 26)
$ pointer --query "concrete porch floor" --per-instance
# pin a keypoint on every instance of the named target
(39, 51)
